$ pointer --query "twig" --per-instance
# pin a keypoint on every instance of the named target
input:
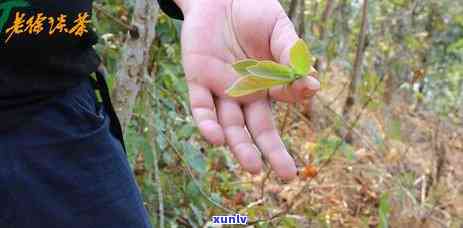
(328, 108)
(158, 183)
(152, 133)
(190, 172)
(180, 219)
(102, 10)
(290, 205)
(251, 205)
(286, 117)
(262, 185)
(188, 169)
(344, 86)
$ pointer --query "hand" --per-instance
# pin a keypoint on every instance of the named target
(215, 34)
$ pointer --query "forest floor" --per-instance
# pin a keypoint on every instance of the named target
(406, 172)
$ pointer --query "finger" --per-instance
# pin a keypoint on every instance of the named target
(298, 91)
(283, 38)
(203, 109)
(237, 137)
(210, 72)
(260, 123)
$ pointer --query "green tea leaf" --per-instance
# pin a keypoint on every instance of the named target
(241, 67)
(252, 83)
(301, 58)
(270, 69)
(261, 75)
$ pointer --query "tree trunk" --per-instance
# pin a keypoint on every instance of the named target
(344, 13)
(314, 14)
(301, 27)
(424, 58)
(135, 59)
(323, 21)
(292, 10)
(356, 73)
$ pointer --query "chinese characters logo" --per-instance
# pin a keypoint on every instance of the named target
(6, 7)
(24, 24)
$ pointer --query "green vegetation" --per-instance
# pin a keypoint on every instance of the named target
(382, 141)
(261, 75)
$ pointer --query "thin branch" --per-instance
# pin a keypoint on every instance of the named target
(156, 159)
(323, 21)
(262, 185)
(285, 119)
(290, 205)
(160, 192)
(356, 73)
(196, 182)
(100, 9)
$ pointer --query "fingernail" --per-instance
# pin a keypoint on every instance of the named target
(313, 83)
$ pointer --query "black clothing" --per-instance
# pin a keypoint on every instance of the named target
(170, 8)
(62, 161)
(46, 48)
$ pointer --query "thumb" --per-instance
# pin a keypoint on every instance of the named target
(283, 38)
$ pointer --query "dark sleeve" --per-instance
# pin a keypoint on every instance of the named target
(170, 8)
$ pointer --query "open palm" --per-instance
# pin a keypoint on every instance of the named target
(216, 34)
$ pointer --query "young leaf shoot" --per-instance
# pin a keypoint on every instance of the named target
(300, 58)
(257, 75)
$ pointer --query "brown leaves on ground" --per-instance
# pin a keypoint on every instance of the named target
(421, 171)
